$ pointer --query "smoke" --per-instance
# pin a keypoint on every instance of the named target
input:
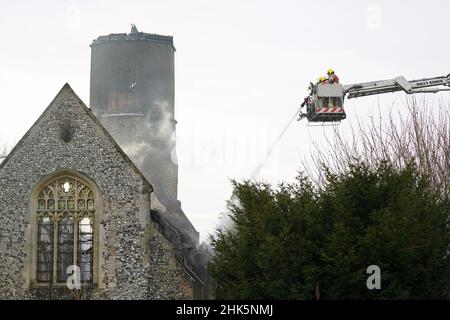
(155, 135)
(137, 151)
(162, 114)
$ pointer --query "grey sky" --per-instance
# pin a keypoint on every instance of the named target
(242, 68)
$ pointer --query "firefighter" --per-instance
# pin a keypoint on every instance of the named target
(323, 79)
(332, 77)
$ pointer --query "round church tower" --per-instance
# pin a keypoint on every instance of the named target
(132, 94)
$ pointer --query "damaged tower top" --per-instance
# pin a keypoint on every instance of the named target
(134, 29)
(134, 35)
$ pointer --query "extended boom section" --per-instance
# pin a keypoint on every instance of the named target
(397, 84)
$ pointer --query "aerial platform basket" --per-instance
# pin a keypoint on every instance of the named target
(326, 104)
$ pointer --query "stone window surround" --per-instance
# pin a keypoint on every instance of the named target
(31, 233)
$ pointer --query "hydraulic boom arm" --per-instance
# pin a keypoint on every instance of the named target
(398, 84)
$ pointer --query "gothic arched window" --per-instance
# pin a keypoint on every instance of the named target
(65, 230)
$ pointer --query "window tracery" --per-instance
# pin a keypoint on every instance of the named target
(65, 237)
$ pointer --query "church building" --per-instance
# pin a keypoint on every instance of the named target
(88, 197)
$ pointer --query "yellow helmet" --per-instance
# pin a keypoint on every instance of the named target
(330, 71)
(322, 78)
